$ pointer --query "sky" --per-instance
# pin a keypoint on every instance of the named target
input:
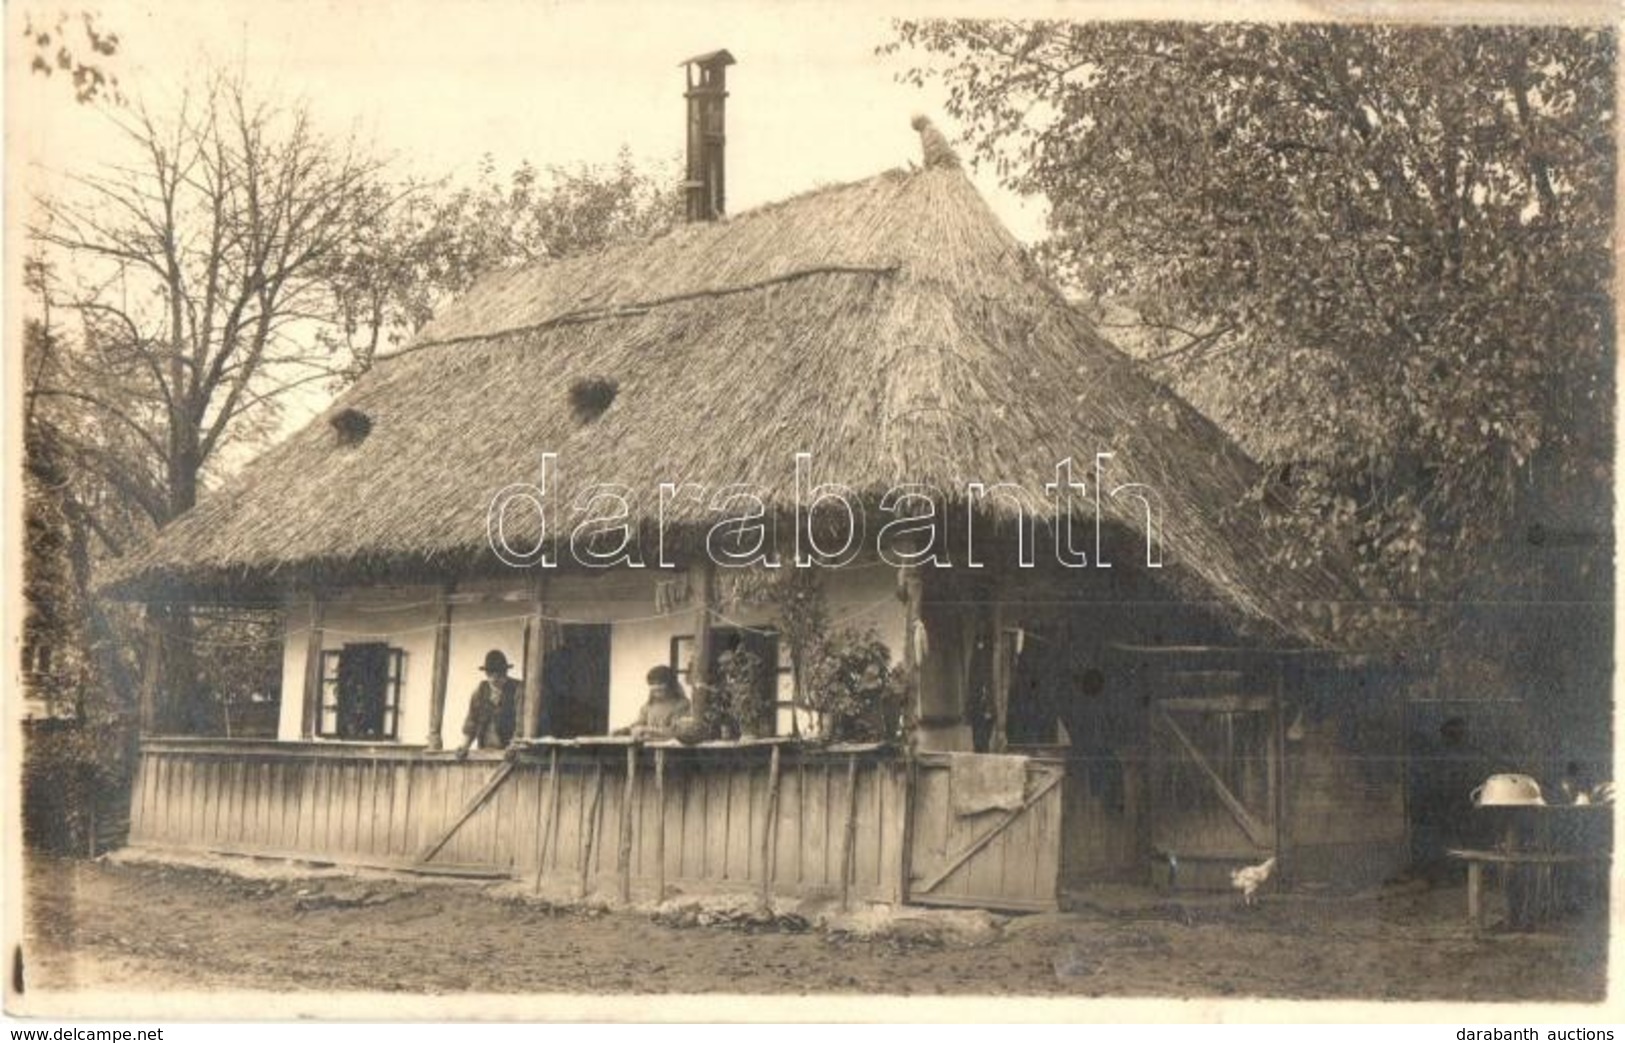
(437, 85)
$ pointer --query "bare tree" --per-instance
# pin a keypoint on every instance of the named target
(200, 278)
(233, 259)
(205, 275)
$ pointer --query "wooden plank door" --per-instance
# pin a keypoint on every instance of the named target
(999, 858)
(1214, 777)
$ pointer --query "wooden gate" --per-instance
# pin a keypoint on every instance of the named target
(1004, 856)
(1215, 779)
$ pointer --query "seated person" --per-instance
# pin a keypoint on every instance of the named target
(666, 706)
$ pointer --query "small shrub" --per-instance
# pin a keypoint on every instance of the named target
(855, 688)
(739, 689)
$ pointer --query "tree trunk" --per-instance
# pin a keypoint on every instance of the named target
(183, 708)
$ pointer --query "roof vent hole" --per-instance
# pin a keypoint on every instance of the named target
(590, 397)
(352, 426)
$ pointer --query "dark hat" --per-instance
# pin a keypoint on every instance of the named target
(495, 660)
(662, 675)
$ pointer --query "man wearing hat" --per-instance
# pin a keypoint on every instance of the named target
(493, 709)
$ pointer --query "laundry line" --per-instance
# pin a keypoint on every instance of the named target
(717, 615)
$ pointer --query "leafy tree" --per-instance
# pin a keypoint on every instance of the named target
(1380, 254)
(438, 239)
(80, 48)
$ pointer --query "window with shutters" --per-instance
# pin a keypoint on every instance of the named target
(361, 692)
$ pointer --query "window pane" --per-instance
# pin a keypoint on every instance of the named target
(682, 652)
(363, 690)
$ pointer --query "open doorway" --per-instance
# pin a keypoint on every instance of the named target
(575, 682)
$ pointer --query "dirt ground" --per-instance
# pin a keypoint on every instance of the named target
(138, 925)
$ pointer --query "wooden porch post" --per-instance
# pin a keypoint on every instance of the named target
(1278, 778)
(699, 678)
(949, 629)
(1000, 740)
(910, 590)
(535, 659)
(152, 678)
(440, 670)
(312, 696)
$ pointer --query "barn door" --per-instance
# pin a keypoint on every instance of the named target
(1215, 776)
(985, 831)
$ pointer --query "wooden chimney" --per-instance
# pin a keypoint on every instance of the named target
(703, 188)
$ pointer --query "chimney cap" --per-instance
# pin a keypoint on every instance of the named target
(710, 58)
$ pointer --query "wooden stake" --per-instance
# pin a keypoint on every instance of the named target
(660, 825)
(905, 869)
(623, 856)
(553, 814)
(548, 814)
(770, 829)
(592, 825)
(849, 841)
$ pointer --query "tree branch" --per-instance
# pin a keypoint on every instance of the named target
(118, 414)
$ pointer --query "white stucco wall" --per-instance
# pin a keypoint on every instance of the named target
(404, 617)
(640, 637)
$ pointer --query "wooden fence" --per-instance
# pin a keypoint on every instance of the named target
(610, 817)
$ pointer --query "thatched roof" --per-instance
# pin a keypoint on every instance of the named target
(891, 327)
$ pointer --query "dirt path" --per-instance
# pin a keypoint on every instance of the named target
(113, 924)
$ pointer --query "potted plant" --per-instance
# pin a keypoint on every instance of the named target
(856, 690)
(803, 623)
(740, 676)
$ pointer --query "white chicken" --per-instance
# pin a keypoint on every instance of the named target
(1248, 879)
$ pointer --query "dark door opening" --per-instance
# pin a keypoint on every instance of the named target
(575, 682)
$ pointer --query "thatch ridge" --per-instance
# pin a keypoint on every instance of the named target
(892, 327)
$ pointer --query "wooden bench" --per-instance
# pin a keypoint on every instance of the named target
(1543, 862)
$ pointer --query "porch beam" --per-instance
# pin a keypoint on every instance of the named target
(535, 658)
(699, 678)
(152, 676)
(311, 706)
(910, 590)
(440, 670)
(1278, 771)
(1000, 669)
